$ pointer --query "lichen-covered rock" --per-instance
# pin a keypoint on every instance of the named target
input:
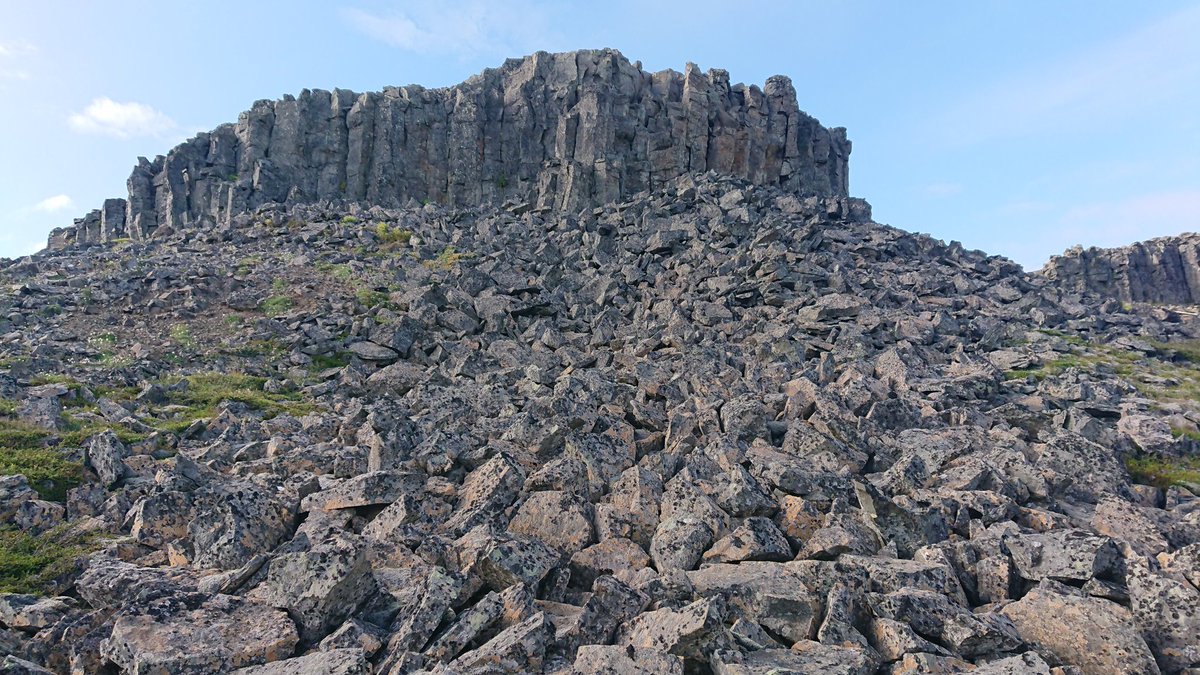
(181, 635)
(1167, 612)
(693, 632)
(319, 587)
(332, 662)
(105, 454)
(755, 539)
(615, 660)
(934, 617)
(805, 657)
(556, 518)
(1094, 635)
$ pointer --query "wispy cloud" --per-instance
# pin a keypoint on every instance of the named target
(121, 120)
(54, 204)
(12, 53)
(457, 27)
(1141, 71)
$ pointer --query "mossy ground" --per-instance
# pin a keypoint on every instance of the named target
(32, 563)
(1164, 473)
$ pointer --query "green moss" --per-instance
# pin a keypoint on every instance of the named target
(18, 434)
(76, 433)
(276, 304)
(46, 469)
(1185, 433)
(206, 391)
(279, 284)
(338, 360)
(349, 220)
(31, 564)
(370, 297)
(54, 378)
(1163, 472)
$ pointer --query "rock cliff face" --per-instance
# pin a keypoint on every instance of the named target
(565, 131)
(1164, 270)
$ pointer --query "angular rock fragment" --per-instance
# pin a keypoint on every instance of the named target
(180, 635)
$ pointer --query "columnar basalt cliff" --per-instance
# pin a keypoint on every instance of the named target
(564, 131)
(1163, 270)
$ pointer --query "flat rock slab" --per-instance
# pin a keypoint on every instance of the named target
(223, 633)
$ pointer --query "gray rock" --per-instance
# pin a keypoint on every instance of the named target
(105, 454)
(1064, 555)
(693, 632)
(1096, 635)
(755, 539)
(556, 518)
(333, 662)
(1167, 612)
(319, 587)
(806, 657)
(934, 617)
(614, 660)
(219, 635)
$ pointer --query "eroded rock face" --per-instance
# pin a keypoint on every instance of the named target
(567, 131)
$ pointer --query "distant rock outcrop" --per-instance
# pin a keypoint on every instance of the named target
(565, 131)
(1163, 270)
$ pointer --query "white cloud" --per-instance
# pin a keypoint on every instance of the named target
(1139, 72)
(52, 204)
(10, 48)
(11, 51)
(120, 120)
(464, 28)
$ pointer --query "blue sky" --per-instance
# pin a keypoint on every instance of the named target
(1019, 128)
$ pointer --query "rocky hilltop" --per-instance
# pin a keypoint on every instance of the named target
(718, 425)
(1163, 270)
(566, 131)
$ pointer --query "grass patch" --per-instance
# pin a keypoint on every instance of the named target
(390, 238)
(206, 391)
(447, 259)
(370, 297)
(349, 220)
(54, 378)
(276, 304)
(1055, 367)
(30, 564)
(279, 284)
(18, 434)
(1163, 472)
(326, 361)
(46, 469)
(182, 336)
(1188, 350)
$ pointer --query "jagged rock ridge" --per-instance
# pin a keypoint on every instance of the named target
(568, 131)
(1162, 270)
